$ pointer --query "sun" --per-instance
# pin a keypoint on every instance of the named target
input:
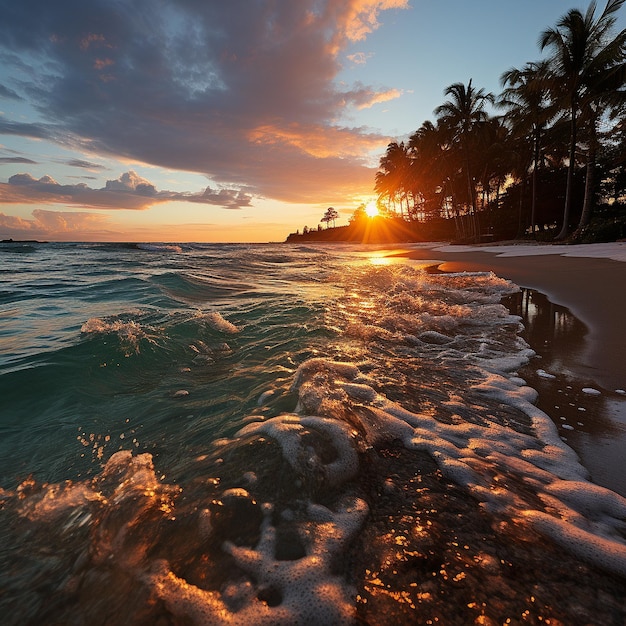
(371, 210)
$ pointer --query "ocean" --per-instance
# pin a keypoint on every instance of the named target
(276, 434)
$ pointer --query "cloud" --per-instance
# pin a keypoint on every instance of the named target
(316, 141)
(25, 129)
(359, 58)
(129, 191)
(202, 87)
(362, 16)
(16, 160)
(66, 221)
(365, 97)
(84, 164)
(131, 182)
(226, 198)
(60, 224)
(9, 94)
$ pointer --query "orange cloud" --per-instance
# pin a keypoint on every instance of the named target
(361, 17)
(91, 38)
(100, 64)
(380, 96)
(317, 141)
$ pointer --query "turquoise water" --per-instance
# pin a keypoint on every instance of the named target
(275, 434)
(99, 338)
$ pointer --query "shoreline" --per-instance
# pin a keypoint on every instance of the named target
(591, 288)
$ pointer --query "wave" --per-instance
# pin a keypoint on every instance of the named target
(129, 332)
(260, 542)
(17, 248)
(349, 443)
(193, 288)
(159, 247)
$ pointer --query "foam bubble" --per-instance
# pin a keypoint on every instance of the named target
(289, 431)
(285, 592)
(129, 332)
(589, 546)
(217, 322)
(475, 455)
(544, 374)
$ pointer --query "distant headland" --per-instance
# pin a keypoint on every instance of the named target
(21, 241)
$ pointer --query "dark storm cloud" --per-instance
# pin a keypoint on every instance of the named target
(235, 90)
(129, 191)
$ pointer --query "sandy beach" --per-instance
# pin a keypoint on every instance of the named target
(590, 281)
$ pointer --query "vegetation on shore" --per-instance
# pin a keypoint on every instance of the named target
(550, 166)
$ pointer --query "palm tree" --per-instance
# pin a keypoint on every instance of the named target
(582, 50)
(462, 113)
(426, 146)
(529, 109)
(603, 94)
(613, 156)
(494, 161)
(393, 174)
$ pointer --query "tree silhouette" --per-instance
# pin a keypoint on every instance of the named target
(393, 174)
(560, 113)
(462, 114)
(529, 109)
(583, 56)
(330, 216)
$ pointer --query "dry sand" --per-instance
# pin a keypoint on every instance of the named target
(593, 287)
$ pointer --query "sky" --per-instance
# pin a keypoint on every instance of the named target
(228, 121)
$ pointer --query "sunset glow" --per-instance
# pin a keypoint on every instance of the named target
(221, 122)
(371, 209)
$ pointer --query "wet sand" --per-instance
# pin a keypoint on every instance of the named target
(587, 355)
(593, 289)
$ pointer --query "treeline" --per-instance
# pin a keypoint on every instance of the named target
(551, 159)
(379, 229)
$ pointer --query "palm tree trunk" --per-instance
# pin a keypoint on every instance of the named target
(589, 180)
(476, 226)
(533, 200)
(570, 176)
(472, 193)
(589, 185)
(520, 208)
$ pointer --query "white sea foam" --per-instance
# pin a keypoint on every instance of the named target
(159, 247)
(543, 374)
(582, 517)
(129, 331)
(216, 321)
(309, 591)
